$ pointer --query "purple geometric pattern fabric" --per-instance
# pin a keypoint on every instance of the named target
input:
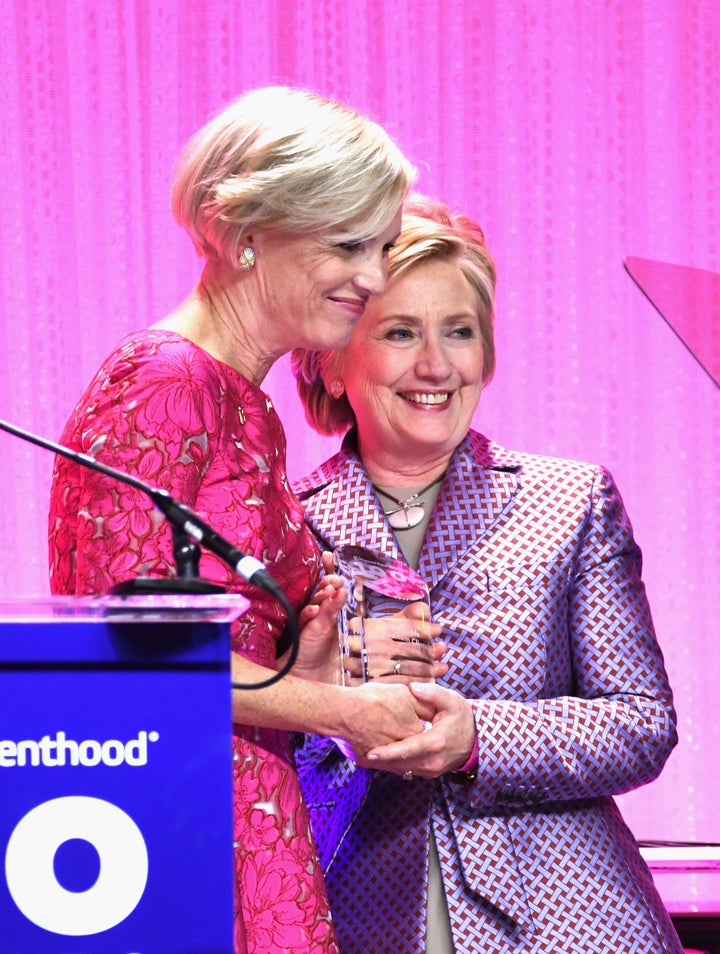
(535, 578)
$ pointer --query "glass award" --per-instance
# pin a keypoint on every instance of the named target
(384, 627)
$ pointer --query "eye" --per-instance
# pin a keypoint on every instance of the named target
(463, 332)
(398, 334)
(349, 247)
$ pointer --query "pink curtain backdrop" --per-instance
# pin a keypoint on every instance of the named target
(576, 132)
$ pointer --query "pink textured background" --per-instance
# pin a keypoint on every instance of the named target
(576, 132)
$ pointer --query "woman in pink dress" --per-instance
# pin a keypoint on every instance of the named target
(294, 202)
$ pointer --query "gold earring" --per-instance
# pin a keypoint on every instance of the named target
(247, 258)
(336, 388)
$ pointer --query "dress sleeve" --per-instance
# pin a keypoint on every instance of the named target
(617, 727)
(151, 416)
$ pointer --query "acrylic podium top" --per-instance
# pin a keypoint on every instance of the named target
(176, 608)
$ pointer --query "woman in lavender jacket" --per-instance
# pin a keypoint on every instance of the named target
(496, 830)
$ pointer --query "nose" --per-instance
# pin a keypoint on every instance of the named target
(432, 361)
(372, 276)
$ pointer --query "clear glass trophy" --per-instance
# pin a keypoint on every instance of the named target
(384, 627)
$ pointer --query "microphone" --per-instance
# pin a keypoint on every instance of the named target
(186, 521)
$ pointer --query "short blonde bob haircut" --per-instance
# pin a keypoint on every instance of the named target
(430, 232)
(287, 159)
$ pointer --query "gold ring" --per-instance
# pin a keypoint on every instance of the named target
(408, 776)
(396, 667)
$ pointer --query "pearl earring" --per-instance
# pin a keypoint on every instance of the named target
(247, 258)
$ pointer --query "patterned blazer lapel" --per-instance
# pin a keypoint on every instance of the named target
(480, 485)
(341, 507)
(481, 482)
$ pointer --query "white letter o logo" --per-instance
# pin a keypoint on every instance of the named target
(123, 865)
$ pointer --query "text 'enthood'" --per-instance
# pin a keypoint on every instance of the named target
(59, 751)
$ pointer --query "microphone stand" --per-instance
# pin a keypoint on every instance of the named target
(188, 529)
(187, 566)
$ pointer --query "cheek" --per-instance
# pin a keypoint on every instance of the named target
(471, 399)
(359, 368)
(370, 373)
(369, 402)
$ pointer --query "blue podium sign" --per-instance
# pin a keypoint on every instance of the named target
(115, 776)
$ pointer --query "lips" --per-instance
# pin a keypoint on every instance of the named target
(354, 305)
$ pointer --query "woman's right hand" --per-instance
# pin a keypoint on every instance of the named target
(377, 711)
(444, 747)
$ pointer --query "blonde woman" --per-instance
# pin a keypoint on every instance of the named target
(294, 202)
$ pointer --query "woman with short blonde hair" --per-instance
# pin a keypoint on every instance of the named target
(294, 202)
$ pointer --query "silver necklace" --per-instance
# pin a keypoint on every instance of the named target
(405, 516)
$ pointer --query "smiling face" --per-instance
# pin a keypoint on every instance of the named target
(413, 370)
(313, 291)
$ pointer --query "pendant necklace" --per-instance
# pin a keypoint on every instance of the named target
(407, 516)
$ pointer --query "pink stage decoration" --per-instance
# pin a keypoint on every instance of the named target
(578, 134)
(689, 301)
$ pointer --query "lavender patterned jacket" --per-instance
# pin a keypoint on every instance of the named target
(535, 578)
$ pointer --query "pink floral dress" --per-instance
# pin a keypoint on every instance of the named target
(165, 410)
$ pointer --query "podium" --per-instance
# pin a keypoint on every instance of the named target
(115, 775)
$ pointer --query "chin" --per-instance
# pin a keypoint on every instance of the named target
(336, 337)
(427, 445)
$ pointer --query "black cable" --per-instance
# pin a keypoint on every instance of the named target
(294, 632)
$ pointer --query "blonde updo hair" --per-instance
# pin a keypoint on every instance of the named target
(281, 158)
(430, 232)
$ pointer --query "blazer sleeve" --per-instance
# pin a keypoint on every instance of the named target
(615, 727)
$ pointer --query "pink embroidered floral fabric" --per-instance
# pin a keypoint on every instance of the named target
(166, 411)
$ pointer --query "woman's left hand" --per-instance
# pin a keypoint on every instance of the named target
(318, 657)
(397, 648)
(445, 745)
